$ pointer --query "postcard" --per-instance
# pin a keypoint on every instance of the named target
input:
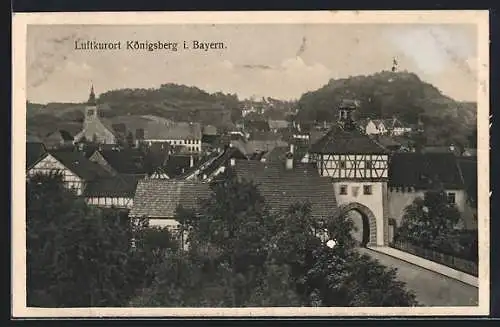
(250, 164)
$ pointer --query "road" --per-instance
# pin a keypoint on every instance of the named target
(431, 288)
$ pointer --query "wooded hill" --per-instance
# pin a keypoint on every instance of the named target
(403, 94)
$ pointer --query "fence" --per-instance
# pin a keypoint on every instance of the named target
(460, 264)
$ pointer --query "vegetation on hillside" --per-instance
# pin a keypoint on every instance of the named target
(381, 95)
(388, 94)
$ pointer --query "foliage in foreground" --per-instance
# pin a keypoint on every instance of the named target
(243, 255)
(80, 256)
(240, 255)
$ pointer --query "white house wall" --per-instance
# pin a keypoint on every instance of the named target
(399, 200)
(191, 145)
(51, 165)
(373, 201)
(107, 202)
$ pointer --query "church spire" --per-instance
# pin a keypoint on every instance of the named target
(91, 100)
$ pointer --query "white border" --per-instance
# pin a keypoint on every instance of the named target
(20, 22)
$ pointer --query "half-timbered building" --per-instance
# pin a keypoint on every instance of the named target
(357, 167)
(77, 171)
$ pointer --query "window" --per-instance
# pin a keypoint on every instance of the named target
(342, 164)
(451, 198)
(90, 113)
(343, 189)
(367, 189)
(368, 164)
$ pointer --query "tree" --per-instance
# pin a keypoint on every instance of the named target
(78, 255)
(429, 222)
(241, 254)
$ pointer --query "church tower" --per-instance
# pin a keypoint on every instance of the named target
(91, 107)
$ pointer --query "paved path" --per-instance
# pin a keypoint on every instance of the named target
(431, 288)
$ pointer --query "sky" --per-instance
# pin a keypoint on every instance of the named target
(278, 61)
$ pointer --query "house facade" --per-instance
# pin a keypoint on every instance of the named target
(185, 135)
(375, 127)
(158, 200)
(77, 171)
(413, 174)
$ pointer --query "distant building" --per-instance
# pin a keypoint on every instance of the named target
(34, 151)
(186, 135)
(375, 127)
(95, 129)
(393, 127)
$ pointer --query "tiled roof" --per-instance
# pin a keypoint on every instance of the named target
(115, 186)
(161, 197)
(80, 165)
(420, 170)
(125, 161)
(34, 151)
(175, 131)
(341, 141)
(281, 187)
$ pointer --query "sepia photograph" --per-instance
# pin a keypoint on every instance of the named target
(250, 164)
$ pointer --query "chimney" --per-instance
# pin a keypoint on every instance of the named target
(232, 162)
(289, 161)
(191, 161)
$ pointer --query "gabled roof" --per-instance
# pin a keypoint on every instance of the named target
(124, 161)
(420, 170)
(173, 131)
(34, 151)
(341, 141)
(80, 165)
(114, 186)
(282, 187)
(161, 197)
